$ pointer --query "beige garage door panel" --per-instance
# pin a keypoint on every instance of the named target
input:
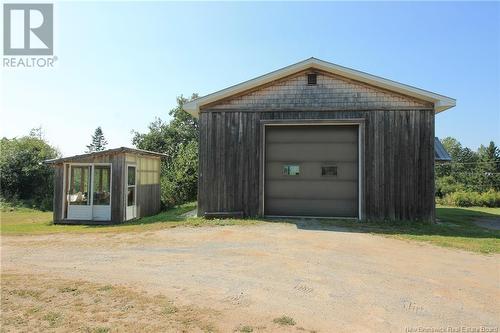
(317, 151)
(301, 207)
(312, 170)
(345, 190)
(320, 133)
(310, 193)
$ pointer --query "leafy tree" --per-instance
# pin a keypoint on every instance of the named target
(98, 143)
(23, 175)
(446, 185)
(169, 137)
(178, 139)
(181, 180)
(463, 169)
(452, 146)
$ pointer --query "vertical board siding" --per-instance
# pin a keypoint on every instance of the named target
(117, 189)
(148, 200)
(58, 191)
(147, 184)
(398, 160)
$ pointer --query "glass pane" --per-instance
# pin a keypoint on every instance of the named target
(131, 196)
(131, 175)
(79, 186)
(291, 170)
(102, 182)
(330, 170)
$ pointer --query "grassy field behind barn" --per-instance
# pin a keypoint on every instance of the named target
(456, 227)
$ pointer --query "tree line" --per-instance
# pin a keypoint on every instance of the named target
(472, 178)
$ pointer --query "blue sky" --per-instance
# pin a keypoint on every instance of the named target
(120, 65)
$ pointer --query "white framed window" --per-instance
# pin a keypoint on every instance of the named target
(79, 185)
(102, 185)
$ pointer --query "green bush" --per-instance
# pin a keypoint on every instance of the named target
(179, 181)
(24, 179)
(446, 185)
(490, 198)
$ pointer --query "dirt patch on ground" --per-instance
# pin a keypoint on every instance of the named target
(39, 303)
(269, 277)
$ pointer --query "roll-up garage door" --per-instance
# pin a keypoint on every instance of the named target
(311, 170)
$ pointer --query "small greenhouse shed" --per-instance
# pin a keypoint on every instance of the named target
(320, 140)
(106, 187)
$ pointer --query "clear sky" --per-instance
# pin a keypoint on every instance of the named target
(121, 64)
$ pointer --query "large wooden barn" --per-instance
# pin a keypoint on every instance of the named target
(105, 187)
(321, 140)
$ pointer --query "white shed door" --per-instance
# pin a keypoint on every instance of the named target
(89, 195)
(101, 200)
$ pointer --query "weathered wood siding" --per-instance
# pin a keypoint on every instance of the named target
(148, 200)
(117, 192)
(58, 191)
(398, 176)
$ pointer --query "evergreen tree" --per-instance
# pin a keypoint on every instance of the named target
(489, 167)
(98, 141)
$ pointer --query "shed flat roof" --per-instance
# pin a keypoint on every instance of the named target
(103, 153)
(440, 102)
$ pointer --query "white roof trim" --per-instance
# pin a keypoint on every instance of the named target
(441, 102)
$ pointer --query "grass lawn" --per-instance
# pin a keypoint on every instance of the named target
(455, 228)
(23, 221)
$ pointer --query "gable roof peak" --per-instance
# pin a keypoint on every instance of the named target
(440, 102)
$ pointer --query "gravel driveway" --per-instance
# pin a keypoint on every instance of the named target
(326, 280)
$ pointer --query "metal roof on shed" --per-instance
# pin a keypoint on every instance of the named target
(104, 153)
(440, 153)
